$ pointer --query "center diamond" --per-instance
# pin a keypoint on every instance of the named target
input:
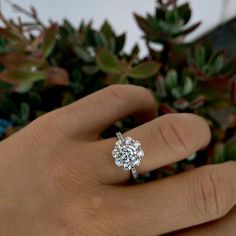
(127, 153)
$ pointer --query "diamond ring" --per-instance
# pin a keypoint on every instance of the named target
(127, 153)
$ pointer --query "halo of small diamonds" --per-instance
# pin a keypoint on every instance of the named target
(127, 153)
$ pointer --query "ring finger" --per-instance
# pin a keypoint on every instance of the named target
(164, 140)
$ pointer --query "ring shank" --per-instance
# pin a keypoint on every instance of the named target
(120, 136)
(134, 173)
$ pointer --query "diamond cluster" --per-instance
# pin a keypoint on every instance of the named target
(127, 153)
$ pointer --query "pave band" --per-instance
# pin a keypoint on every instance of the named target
(127, 153)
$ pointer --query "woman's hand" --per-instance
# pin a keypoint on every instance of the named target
(57, 176)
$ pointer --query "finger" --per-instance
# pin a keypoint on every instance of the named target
(96, 112)
(224, 226)
(165, 140)
(181, 201)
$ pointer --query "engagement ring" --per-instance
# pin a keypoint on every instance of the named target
(127, 153)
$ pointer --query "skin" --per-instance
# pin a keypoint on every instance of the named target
(57, 176)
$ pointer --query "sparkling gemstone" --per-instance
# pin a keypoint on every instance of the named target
(128, 140)
(127, 153)
(136, 144)
(115, 153)
(118, 143)
(127, 166)
(137, 162)
(133, 158)
(140, 153)
(118, 162)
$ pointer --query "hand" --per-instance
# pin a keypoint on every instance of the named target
(57, 176)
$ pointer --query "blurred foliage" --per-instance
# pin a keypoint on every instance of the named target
(46, 67)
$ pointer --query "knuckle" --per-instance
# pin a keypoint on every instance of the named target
(47, 126)
(212, 196)
(48, 123)
(174, 134)
(115, 92)
(32, 133)
(37, 129)
(37, 136)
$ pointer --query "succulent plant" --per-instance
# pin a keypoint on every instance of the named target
(44, 67)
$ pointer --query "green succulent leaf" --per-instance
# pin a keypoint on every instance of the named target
(17, 60)
(83, 54)
(108, 62)
(176, 92)
(144, 70)
(218, 64)
(120, 42)
(200, 57)
(100, 40)
(142, 23)
(90, 70)
(135, 50)
(184, 12)
(10, 35)
(230, 151)
(219, 153)
(68, 28)
(188, 30)
(172, 16)
(16, 76)
(188, 86)
(171, 79)
(49, 40)
(106, 29)
(160, 14)
(23, 87)
(57, 76)
(25, 111)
